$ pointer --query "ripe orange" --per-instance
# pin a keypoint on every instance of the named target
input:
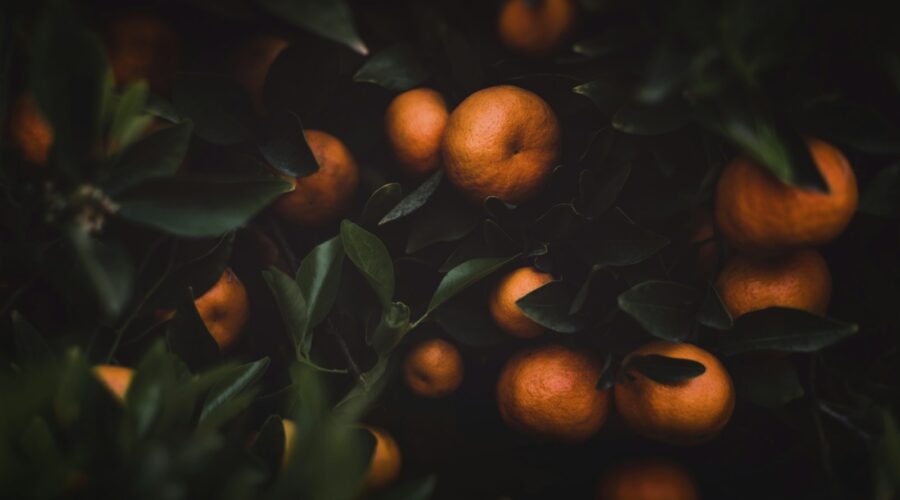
(224, 308)
(322, 197)
(30, 130)
(501, 141)
(115, 378)
(433, 368)
(551, 391)
(142, 47)
(385, 464)
(756, 211)
(536, 30)
(251, 63)
(502, 302)
(290, 431)
(414, 123)
(688, 412)
(798, 280)
(647, 480)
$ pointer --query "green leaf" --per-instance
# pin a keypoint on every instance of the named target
(199, 206)
(242, 378)
(331, 19)
(128, 118)
(779, 329)
(31, 348)
(549, 306)
(101, 272)
(380, 203)
(270, 443)
(665, 309)
(442, 220)
(68, 72)
(417, 489)
(283, 145)
(622, 243)
(291, 303)
(319, 278)
(199, 265)
(607, 94)
(607, 166)
(395, 68)
(463, 276)
(881, 196)
(220, 108)
(713, 312)
(665, 370)
(466, 319)
(768, 381)
(188, 337)
(371, 257)
(561, 222)
(370, 386)
(415, 200)
(390, 331)
(160, 154)
(653, 120)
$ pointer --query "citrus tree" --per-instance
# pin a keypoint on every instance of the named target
(336, 249)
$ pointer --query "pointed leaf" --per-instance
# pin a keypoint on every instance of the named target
(160, 154)
(220, 108)
(394, 68)
(319, 278)
(463, 276)
(665, 370)
(779, 329)
(331, 19)
(283, 144)
(549, 306)
(371, 257)
(291, 303)
(414, 200)
(243, 377)
(665, 309)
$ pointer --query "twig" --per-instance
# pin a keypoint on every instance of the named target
(345, 350)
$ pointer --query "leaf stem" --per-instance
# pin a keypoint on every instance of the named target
(345, 350)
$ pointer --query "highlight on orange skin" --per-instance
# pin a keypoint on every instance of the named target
(414, 124)
(647, 479)
(536, 30)
(116, 378)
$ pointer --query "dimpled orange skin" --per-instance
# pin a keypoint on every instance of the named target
(433, 369)
(414, 123)
(224, 309)
(251, 63)
(30, 130)
(685, 413)
(536, 31)
(501, 141)
(757, 212)
(647, 480)
(551, 392)
(386, 461)
(502, 301)
(142, 47)
(115, 378)
(796, 280)
(324, 196)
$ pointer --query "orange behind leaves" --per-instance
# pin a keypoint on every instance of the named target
(385, 464)
(551, 392)
(797, 280)
(30, 130)
(757, 212)
(501, 141)
(688, 412)
(433, 368)
(116, 378)
(321, 198)
(502, 302)
(142, 47)
(647, 479)
(224, 309)
(251, 63)
(536, 30)
(414, 123)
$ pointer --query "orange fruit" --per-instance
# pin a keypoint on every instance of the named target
(414, 123)
(797, 280)
(251, 63)
(386, 462)
(30, 130)
(142, 47)
(756, 211)
(115, 378)
(322, 197)
(501, 141)
(433, 368)
(290, 431)
(647, 480)
(502, 301)
(224, 308)
(688, 412)
(536, 30)
(551, 391)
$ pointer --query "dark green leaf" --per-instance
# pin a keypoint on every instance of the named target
(606, 169)
(218, 106)
(243, 377)
(102, 272)
(442, 220)
(394, 68)
(160, 154)
(319, 278)
(291, 303)
(189, 338)
(417, 489)
(549, 306)
(31, 348)
(652, 120)
(466, 319)
(768, 381)
(269, 443)
(199, 206)
(200, 265)
(415, 200)
(559, 223)
(380, 203)
(779, 329)
(463, 276)
(371, 385)
(882, 194)
(622, 243)
(713, 312)
(390, 331)
(371, 257)
(129, 120)
(665, 370)
(606, 94)
(283, 144)
(331, 19)
(665, 309)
